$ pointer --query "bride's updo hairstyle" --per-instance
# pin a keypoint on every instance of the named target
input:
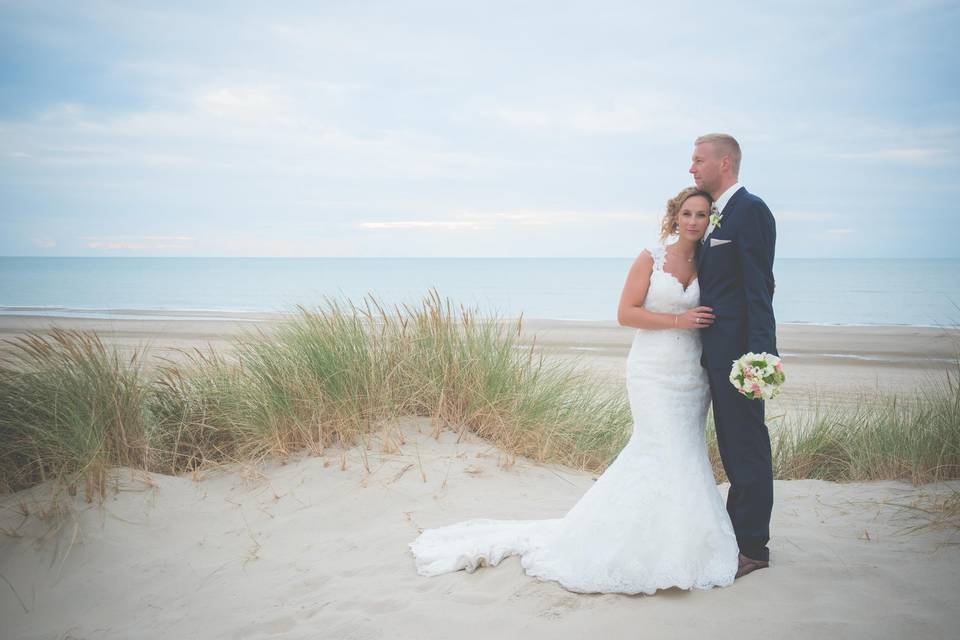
(669, 225)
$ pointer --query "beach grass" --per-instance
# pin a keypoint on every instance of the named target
(880, 437)
(333, 374)
(329, 375)
(940, 510)
(71, 407)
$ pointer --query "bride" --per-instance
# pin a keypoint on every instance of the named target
(654, 519)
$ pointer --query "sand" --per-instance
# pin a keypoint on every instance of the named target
(310, 549)
(317, 547)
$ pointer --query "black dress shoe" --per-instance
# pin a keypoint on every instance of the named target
(746, 565)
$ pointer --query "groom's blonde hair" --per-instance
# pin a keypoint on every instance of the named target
(726, 145)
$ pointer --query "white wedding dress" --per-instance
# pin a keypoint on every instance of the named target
(654, 519)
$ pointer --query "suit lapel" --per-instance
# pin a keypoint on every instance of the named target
(731, 203)
(727, 209)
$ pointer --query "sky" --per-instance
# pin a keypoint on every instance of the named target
(502, 129)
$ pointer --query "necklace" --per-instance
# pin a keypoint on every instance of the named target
(690, 259)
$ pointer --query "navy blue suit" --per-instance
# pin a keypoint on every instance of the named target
(735, 272)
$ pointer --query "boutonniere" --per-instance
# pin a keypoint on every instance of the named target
(715, 219)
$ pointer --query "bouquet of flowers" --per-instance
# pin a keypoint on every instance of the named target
(757, 375)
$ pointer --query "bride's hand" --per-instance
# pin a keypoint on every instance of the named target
(696, 318)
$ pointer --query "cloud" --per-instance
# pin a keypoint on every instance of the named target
(242, 102)
(440, 124)
(99, 244)
(524, 118)
(139, 243)
(424, 224)
(536, 217)
(803, 216)
(519, 217)
(44, 243)
(908, 155)
(241, 130)
(615, 114)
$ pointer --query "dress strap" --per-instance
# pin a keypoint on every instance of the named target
(659, 253)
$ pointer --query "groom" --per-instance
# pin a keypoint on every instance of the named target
(735, 269)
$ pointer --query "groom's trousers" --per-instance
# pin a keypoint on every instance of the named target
(744, 444)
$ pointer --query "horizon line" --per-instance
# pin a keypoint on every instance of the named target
(181, 257)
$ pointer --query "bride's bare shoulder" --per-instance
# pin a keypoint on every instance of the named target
(642, 267)
(644, 259)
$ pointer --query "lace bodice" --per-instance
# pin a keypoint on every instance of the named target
(652, 347)
(666, 294)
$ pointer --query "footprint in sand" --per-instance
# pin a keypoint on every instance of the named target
(374, 607)
(559, 608)
(269, 628)
(555, 607)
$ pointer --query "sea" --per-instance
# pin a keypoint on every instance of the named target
(920, 292)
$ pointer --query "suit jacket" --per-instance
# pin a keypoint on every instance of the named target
(736, 279)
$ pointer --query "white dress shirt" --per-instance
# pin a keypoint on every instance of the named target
(720, 203)
(724, 198)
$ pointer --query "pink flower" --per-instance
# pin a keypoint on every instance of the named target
(779, 366)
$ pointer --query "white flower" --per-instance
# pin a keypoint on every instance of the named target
(757, 375)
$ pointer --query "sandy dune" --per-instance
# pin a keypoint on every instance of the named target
(309, 549)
